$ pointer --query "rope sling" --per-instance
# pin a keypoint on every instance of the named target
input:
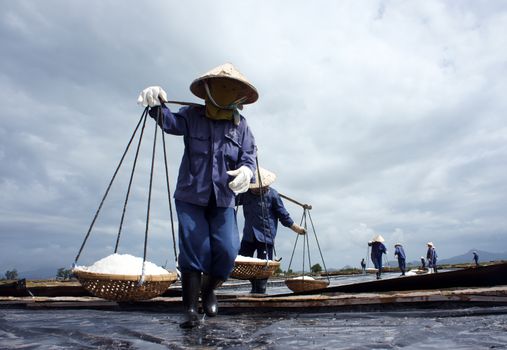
(306, 240)
(142, 120)
(267, 228)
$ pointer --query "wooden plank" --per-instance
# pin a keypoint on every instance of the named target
(322, 303)
(481, 276)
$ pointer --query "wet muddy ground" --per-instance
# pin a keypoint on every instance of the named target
(384, 328)
(472, 328)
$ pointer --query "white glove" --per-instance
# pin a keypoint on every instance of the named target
(242, 177)
(151, 96)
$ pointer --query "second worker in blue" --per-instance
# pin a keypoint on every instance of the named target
(263, 208)
(399, 253)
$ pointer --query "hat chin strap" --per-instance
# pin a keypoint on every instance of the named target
(234, 106)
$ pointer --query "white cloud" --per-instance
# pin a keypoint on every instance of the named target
(387, 117)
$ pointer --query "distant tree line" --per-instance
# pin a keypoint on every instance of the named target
(316, 269)
(64, 274)
(11, 274)
(61, 274)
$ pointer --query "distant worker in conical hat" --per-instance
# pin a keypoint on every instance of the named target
(261, 221)
(218, 163)
(399, 253)
(476, 258)
(377, 249)
(431, 256)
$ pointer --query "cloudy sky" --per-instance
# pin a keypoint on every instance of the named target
(387, 117)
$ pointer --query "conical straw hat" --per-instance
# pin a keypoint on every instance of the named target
(378, 238)
(226, 70)
(267, 178)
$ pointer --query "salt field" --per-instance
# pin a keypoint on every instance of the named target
(388, 327)
(470, 328)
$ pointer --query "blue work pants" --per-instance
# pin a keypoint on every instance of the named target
(249, 248)
(402, 265)
(208, 238)
(377, 261)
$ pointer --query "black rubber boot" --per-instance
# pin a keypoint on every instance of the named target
(191, 286)
(208, 297)
(261, 286)
(254, 286)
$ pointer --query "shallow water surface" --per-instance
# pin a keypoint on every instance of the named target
(471, 328)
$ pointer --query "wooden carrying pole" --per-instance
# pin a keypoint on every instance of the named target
(305, 206)
(183, 103)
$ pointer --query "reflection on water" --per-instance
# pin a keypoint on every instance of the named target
(472, 328)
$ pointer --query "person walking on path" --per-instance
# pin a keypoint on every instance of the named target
(262, 209)
(363, 266)
(399, 253)
(431, 256)
(377, 249)
(476, 258)
(217, 164)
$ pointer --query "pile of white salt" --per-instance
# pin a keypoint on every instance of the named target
(241, 258)
(123, 264)
(306, 278)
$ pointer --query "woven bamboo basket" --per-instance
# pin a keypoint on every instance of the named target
(251, 270)
(301, 285)
(124, 287)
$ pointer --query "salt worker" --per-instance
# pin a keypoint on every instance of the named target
(261, 221)
(431, 256)
(218, 163)
(377, 249)
(399, 253)
(476, 258)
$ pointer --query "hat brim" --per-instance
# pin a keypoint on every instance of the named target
(266, 178)
(227, 71)
(249, 91)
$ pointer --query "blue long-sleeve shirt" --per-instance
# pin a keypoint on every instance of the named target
(263, 227)
(431, 255)
(377, 249)
(212, 147)
(399, 252)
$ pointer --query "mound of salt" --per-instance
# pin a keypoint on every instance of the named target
(123, 264)
(306, 278)
(241, 258)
